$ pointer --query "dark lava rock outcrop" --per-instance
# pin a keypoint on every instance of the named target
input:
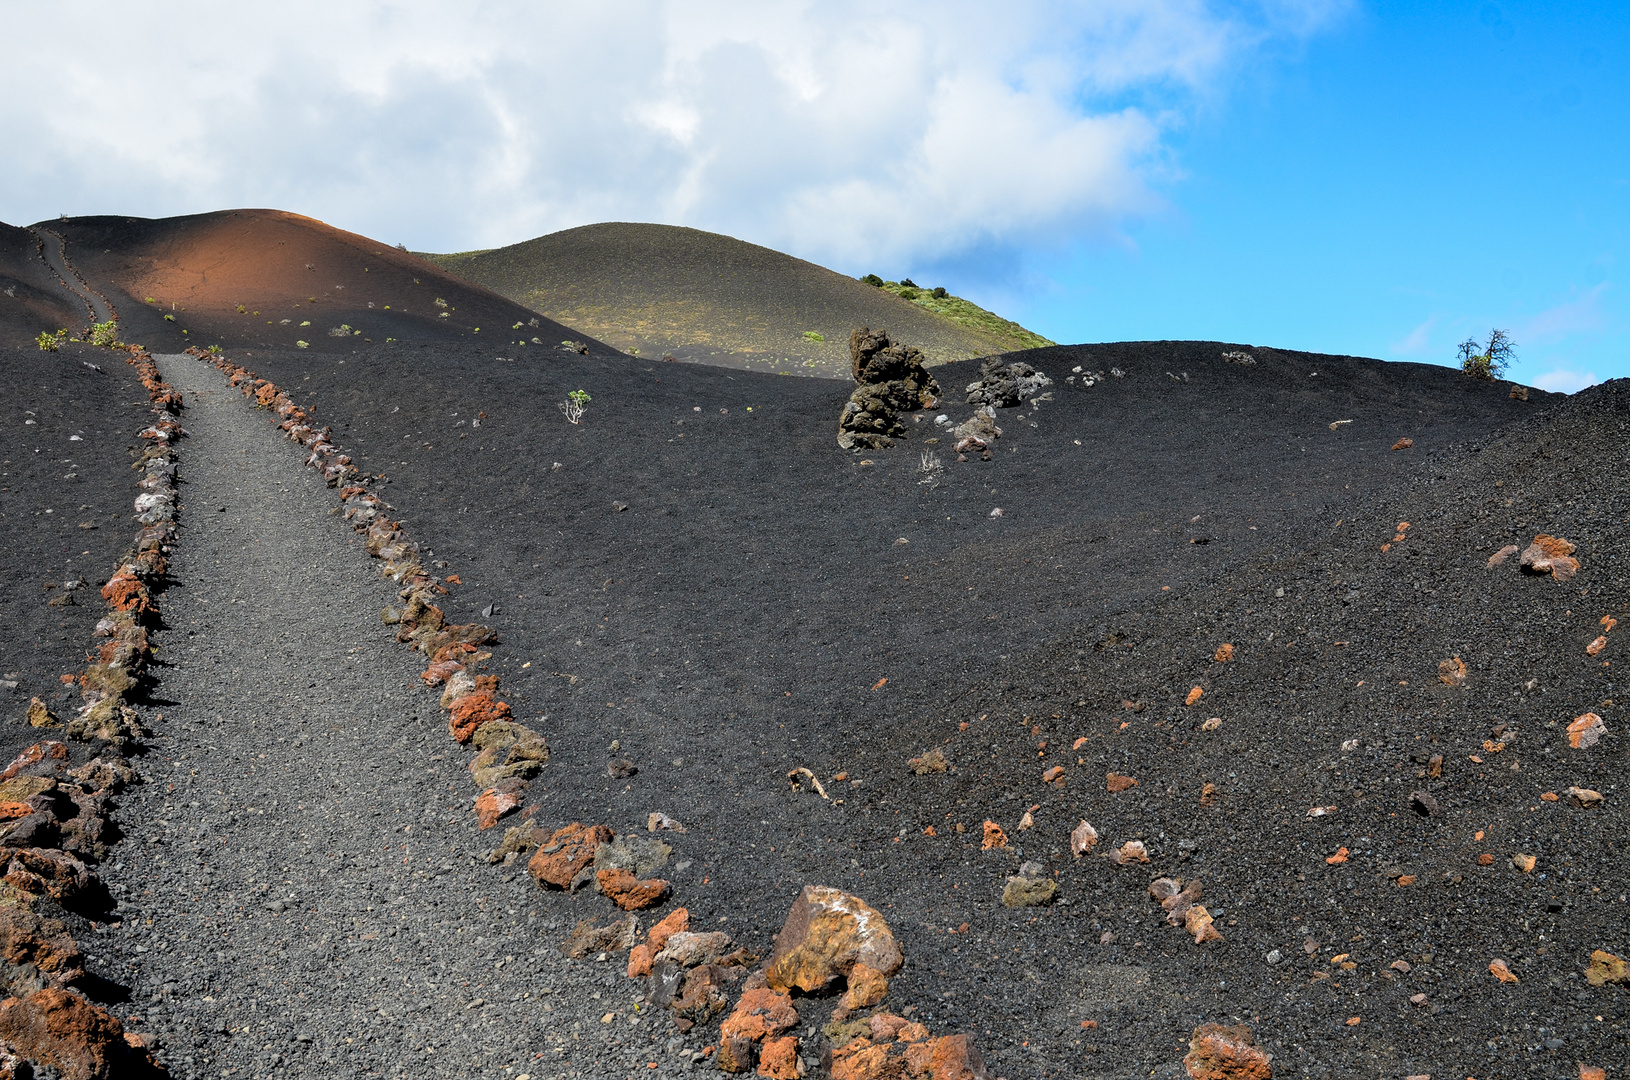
(892, 381)
(1006, 385)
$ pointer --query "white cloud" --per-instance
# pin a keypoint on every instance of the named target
(1582, 314)
(843, 131)
(1414, 342)
(1566, 382)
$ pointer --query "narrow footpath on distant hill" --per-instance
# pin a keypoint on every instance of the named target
(55, 250)
(300, 891)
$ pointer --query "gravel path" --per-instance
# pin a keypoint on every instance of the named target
(300, 893)
(56, 257)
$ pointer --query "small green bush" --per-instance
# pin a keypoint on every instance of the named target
(49, 342)
(939, 292)
(575, 405)
(815, 336)
(104, 333)
(909, 294)
(1492, 362)
(908, 283)
(873, 279)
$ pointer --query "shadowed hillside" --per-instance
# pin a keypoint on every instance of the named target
(701, 296)
(32, 298)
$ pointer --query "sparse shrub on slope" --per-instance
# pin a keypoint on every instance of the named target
(1492, 361)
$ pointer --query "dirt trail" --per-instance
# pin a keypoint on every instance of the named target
(298, 896)
(55, 251)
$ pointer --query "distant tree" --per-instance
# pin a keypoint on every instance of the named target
(1494, 358)
(908, 283)
(873, 279)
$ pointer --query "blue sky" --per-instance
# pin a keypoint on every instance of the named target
(1353, 176)
(1413, 175)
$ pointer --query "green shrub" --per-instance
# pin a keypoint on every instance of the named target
(814, 335)
(1492, 361)
(105, 333)
(873, 279)
(908, 283)
(909, 294)
(49, 342)
(939, 292)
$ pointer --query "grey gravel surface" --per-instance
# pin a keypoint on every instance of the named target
(65, 509)
(299, 892)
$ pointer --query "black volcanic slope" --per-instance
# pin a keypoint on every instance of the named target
(32, 299)
(262, 278)
(765, 601)
(701, 296)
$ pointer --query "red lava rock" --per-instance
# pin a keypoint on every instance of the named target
(1224, 654)
(47, 751)
(1117, 783)
(760, 1014)
(1210, 794)
(1586, 731)
(1452, 672)
(1403, 444)
(1226, 1053)
(1502, 555)
(1053, 774)
(82, 1041)
(629, 892)
(676, 921)
(38, 948)
(779, 1058)
(1591, 1072)
(826, 934)
(1586, 798)
(567, 851)
(473, 710)
(897, 1049)
(1194, 695)
(1485, 859)
(994, 837)
(1500, 970)
(867, 987)
(1595, 647)
(1550, 555)
(45, 871)
(498, 802)
(639, 961)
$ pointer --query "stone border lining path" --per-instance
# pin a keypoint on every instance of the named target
(54, 818)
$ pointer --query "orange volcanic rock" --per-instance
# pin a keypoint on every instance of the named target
(473, 710)
(826, 934)
(1550, 555)
(629, 892)
(80, 1040)
(1226, 1053)
(760, 1014)
(566, 853)
(677, 920)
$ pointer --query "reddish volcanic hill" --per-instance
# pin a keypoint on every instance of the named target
(265, 278)
(32, 298)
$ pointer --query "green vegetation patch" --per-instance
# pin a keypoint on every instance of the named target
(962, 312)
